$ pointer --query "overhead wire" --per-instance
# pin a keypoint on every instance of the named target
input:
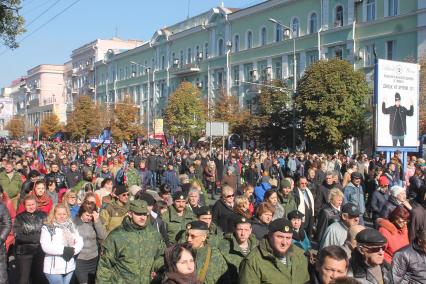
(42, 13)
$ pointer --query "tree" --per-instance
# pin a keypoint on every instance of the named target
(228, 109)
(185, 112)
(16, 127)
(50, 125)
(331, 101)
(84, 122)
(124, 125)
(11, 23)
(273, 116)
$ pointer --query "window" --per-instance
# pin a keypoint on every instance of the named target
(206, 82)
(291, 65)
(220, 47)
(311, 57)
(197, 53)
(163, 62)
(369, 55)
(278, 70)
(219, 84)
(390, 49)
(338, 22)
(338, 53)
(278, 33)
(313, 23)
(173, 59)
(206, 50)
(392, 7)
(181, 58)
(295, 27)
(189, 58)
(236, 43)
(236, 75)
(264, 71)
(263, 37)
(371, 10)
(249, 40)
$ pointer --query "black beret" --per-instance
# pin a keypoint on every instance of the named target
(197, 225)
(204, 210)
(280, 225)
(295, 214)
(370, 237)
(120, 189)
(351, 209)
(241, 220)
(356, 175)
(179, 195)
(150, 200)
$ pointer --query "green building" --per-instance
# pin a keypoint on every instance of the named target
(235, 49)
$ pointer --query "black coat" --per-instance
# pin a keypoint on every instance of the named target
(5, 227)
(321, 197)
(398, 118)
(327, 216)
(59, 179)
(358, 270)
(223, 216)
(27, 230)
(260, 230)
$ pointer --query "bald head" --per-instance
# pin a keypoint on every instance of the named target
(353, 231)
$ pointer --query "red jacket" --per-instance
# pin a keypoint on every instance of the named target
(397, 238)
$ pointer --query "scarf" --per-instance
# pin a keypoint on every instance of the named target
(178, 278)
(42, 201)
(68, 231)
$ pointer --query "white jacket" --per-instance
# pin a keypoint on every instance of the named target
(53, 247)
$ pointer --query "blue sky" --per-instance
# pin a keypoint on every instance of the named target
(88, 20)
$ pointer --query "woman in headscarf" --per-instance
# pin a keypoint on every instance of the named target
(44, 203)
(180, 265)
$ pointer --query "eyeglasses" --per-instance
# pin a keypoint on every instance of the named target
(374, 249)
(230, 195)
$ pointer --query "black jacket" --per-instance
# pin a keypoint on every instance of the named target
(5, 223)
(259, 229)
(59, 178)
(358, 270)
(327, 216)
(72, 178)
(321, 198)
(408, 265)
(398, 118)
(27, 230)
(223, 216)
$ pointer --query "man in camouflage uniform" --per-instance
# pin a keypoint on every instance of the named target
(235, 247)
(276, 259)
(176, 217)
(210, 264)
(215, 233)
(115, 211)
(132, 251)
(132, 175)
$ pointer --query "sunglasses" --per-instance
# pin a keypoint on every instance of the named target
(231, 195)
(374, 249)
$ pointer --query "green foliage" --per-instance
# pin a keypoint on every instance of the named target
(84, 120)
(16, 127)
(11, 23)
(331, 102)
(274, 115)
(50, 125)
(185, 113)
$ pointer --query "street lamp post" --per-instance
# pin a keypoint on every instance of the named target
(291, 32)
(148, 99)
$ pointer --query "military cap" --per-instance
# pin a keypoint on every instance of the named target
(148, 198)
(120, 189)
(241, 220)
(138, 206)
(204, 210)
(356, 175)
(370, 237)
(295, 214)
(197, 225)
(280, 225)
(179, 195)
(351, 209)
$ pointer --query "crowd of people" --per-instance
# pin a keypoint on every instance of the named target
(75, 213)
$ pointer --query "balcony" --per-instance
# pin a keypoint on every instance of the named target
(187, 69)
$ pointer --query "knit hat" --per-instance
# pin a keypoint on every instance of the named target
(396, 190)
(383, 181)
(285, 183)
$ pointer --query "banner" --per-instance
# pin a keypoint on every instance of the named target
(397, 91)
(6, 108)
(158, 126)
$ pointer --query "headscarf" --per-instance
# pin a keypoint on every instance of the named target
(43, 200)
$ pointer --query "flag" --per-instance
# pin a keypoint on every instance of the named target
(41, 161)
(36, 129)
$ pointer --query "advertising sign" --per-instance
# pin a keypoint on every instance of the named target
(217, 128)
(397, 96)
(6, 108)
(158, 126)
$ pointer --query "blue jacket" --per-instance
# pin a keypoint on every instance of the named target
(355, 195)
(259, 192)
(301, 240)
(171, 179)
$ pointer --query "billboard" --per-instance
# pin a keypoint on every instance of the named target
(158, 126)
(6, 108)
(217, 128)
(397, 112)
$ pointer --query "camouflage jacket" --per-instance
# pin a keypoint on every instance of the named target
(233, 254)
(261, 266)
(217, 269)
(132, 177)
(112, 215)
(129, 254)
(175, 224)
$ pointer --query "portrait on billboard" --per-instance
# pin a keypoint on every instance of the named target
(398, 107)
(6, 108)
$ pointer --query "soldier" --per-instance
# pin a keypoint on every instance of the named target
(234, 247)
(176, 217)
(215, 233)
(211, 266)
(115, 211)
(276, 259)
(131, 252)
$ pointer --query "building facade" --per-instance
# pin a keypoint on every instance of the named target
(237, 49)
